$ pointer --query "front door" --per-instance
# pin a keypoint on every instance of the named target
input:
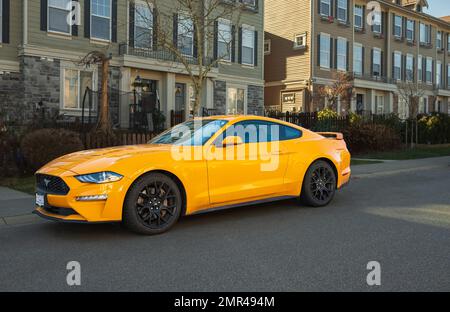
(359, 103)
(250, 171)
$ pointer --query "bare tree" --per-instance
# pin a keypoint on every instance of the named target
(410, 93)
(341, 89)
(96, 58)
(191, 36)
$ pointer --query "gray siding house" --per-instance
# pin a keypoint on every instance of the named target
(39, 55)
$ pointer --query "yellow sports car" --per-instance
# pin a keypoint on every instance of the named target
(200, 165)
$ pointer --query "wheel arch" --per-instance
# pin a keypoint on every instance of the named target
(171, 176)
(328, 161)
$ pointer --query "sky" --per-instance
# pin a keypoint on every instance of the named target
(438, 8)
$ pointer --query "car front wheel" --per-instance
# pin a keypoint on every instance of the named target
(152, 205)
(319, 184)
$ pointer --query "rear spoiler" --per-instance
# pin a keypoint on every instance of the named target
(332, 135)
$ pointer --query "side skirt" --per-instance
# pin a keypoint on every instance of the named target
(254, 202)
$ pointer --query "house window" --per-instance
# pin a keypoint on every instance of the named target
(324, 51)
(236, 101)
(101, 19)
(398, 26)
(248, 46)
(300, 41)
(341, 54)
(377, 22)
(267, 46)
(429, 70)
(288, 98)
(342, 10)
(379, 104)
(58, 11)
(376, 62)
(249, 3)
(75, 83)
(224, 38)
(409, 67)
(359, 19)
(358, 59)
(410, 30)
(419, 68)
(439, 40)
(325, 7)
(438, 73)
(425, 34)
(185, 35)
(397, 66)
(143, 26)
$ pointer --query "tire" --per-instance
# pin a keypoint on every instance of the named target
(153, 205)
(319, 184)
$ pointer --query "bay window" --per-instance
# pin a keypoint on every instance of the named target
(101, 19)
(58, 10)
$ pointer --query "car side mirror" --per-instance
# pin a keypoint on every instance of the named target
(232, 140)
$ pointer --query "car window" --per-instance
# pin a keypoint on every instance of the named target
(253, 131)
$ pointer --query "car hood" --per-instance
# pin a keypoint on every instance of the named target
(97, 160)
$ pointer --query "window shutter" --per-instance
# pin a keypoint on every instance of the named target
(5, 21)
(413, 71)
(371, 62)
(347, 58)
(132, 13)
(74, 26)
(331, 52)
(318, 50)
(363, 59)
(393, 65)
(403, 67)
(175, 30)
(319, 2)
(255, 60)
(87, 18)
(433, 75)
(335, 52)
(216, 40)
(232, 45)
(424, 69)
(383, 23)
(240, 46)
(114, 21)
(382, 70)
(195, 44)
(155, 29)
(404, 27)
(393, 23)
(363, 17)
(44, 17)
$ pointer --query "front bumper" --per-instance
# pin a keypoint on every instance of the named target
(66, 208)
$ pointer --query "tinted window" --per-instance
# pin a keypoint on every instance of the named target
(252, 131)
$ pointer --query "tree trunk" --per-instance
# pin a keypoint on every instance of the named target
(198, 101)
(103, 122)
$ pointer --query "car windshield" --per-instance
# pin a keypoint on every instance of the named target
(190, 133)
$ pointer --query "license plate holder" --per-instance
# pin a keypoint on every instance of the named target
(40, 200)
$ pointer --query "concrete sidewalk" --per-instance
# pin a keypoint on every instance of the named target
(16, 207)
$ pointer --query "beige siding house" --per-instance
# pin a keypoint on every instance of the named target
(39, 53)
(403, 44)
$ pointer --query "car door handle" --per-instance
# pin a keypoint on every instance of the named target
(279, 153)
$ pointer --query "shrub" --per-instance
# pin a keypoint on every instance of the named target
(366, 137)
(41, 146)
(327, 113)
(434, 129)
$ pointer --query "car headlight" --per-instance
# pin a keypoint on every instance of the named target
(99, 177)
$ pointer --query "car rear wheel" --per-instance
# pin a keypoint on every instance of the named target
(153, 204)
(319, 185)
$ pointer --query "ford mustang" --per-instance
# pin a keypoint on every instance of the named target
(200, 165)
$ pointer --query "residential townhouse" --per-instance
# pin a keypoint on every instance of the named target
(39, 55)
(307, 42)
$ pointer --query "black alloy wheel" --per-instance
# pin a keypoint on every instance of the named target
(153, 204)
(319, 184)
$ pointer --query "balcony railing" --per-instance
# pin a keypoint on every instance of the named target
(162, 55)
(375, 78)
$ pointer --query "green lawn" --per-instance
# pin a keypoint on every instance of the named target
(23, 184)
(421, 151)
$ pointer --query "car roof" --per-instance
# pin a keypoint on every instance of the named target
(235, 118)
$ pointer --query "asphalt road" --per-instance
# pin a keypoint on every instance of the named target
(395, 213)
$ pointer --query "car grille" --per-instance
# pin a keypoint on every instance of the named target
(51, 184)
(60, 211)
